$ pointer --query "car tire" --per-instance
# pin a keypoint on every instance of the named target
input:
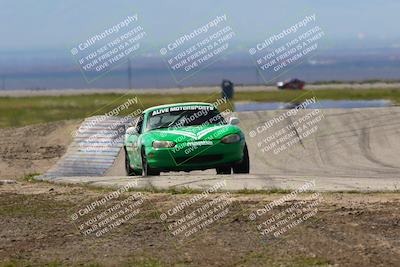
(128, 170)
(224, 170)
(244, 165)
(146, 169)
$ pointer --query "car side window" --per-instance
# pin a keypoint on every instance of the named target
(139, 124)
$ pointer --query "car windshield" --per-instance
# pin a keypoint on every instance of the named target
(182, 116)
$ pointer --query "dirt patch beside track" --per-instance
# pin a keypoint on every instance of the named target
(348, 230)
(33, 149)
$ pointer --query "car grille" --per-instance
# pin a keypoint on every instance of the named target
(198, 159)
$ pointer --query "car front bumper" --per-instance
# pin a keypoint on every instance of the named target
(186, 158)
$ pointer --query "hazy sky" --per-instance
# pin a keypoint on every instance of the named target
(56, 24)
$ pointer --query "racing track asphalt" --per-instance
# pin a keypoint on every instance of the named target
(351, 150)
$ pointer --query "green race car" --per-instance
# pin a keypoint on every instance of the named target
(184, 137)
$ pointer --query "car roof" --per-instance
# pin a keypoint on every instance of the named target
(177, 104)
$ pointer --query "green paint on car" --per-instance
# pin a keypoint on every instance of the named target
(185, 137)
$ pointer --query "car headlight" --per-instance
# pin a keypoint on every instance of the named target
(163, 144)
(230, 139)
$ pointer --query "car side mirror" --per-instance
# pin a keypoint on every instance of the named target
(233, 121)
(131, 130)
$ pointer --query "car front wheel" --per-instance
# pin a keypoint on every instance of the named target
(129, 171)
(146, 170)
(244, 165)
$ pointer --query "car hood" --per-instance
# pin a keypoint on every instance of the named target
(192, 133)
